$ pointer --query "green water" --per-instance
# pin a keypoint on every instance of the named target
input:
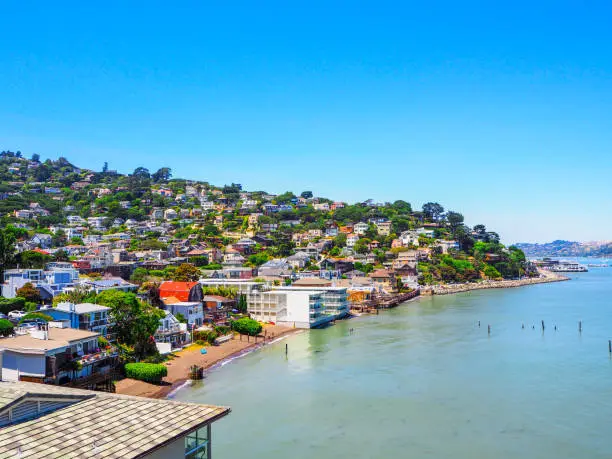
(423, 381)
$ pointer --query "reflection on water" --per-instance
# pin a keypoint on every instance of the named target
(423, 380)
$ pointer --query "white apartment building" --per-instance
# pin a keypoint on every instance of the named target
(302, 307)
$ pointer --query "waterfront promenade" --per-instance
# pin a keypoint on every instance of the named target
(545, 277)
(178, 367)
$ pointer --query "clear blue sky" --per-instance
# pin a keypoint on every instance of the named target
(501, 112)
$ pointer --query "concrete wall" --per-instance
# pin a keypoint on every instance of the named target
(298, 308)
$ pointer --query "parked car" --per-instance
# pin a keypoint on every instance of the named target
(16, 315)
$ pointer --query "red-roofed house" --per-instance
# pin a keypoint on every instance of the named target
(182, 291)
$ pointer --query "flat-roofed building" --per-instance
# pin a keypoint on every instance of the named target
(49, 354)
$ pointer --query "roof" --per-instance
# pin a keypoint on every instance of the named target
(216, 298)
(98, 424)
(82, 308)
(178, 290)
(310, 281)
(381, 273)
(58, 338)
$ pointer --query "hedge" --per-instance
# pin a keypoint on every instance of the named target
(11, 304)
(6, 327)
(205, 335)
(246, 326)
(149, 372)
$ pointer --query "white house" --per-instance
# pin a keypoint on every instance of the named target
(171, 331)
(170, 214)
(351, 239)
(193, 311)
(360, 228)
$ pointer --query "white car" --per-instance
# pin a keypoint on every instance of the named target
(16, 315)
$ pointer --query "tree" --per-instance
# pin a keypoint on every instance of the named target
(135, 322)
(6, 328)
(180, 317)
(7, 249)
(286, 197)
(29, 292)
(361, 246)
(246, 326)
(139, 275)
(105, 168)
(36, 316)
(402, 207)
(258, 259)
(455, 219)
(340, 240)
(241, 304)
(480, 229)
(33, 259)
(433, 210)
(36, 157)
(141, 172)
(61, 255)
(186, 272)
(162, 175)
(306, 194)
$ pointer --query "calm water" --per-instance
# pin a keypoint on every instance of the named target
(423, 381)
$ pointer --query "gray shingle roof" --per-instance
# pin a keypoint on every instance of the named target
(97, 425)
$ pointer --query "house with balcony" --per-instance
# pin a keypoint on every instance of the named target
(51, 281)
(53, 354)
(192, 311)
(84, 316)
(171, 331)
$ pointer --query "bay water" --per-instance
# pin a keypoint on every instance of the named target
(425, 381)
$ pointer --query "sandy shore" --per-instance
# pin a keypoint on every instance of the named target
(178, 368)
(545, 277)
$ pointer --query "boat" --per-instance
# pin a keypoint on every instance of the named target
(567, 267)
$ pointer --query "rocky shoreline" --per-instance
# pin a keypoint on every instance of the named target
(545, 277)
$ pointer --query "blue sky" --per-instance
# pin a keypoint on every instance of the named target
(503, 113)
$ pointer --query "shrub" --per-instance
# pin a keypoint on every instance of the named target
(36, 315)
(11, 304)
(148, 372)
(103, 342)
(247, 326)
(222, 330)
(205, 336)
(6, 327)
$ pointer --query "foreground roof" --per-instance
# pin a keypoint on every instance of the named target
(96, 424)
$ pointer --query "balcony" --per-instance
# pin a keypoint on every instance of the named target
(88, 325)
(95, 357)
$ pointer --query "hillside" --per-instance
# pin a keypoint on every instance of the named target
(560, 248)
(152, 222)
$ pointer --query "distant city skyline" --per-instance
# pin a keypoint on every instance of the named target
(502, 113)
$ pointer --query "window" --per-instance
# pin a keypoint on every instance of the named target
(196, 443)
